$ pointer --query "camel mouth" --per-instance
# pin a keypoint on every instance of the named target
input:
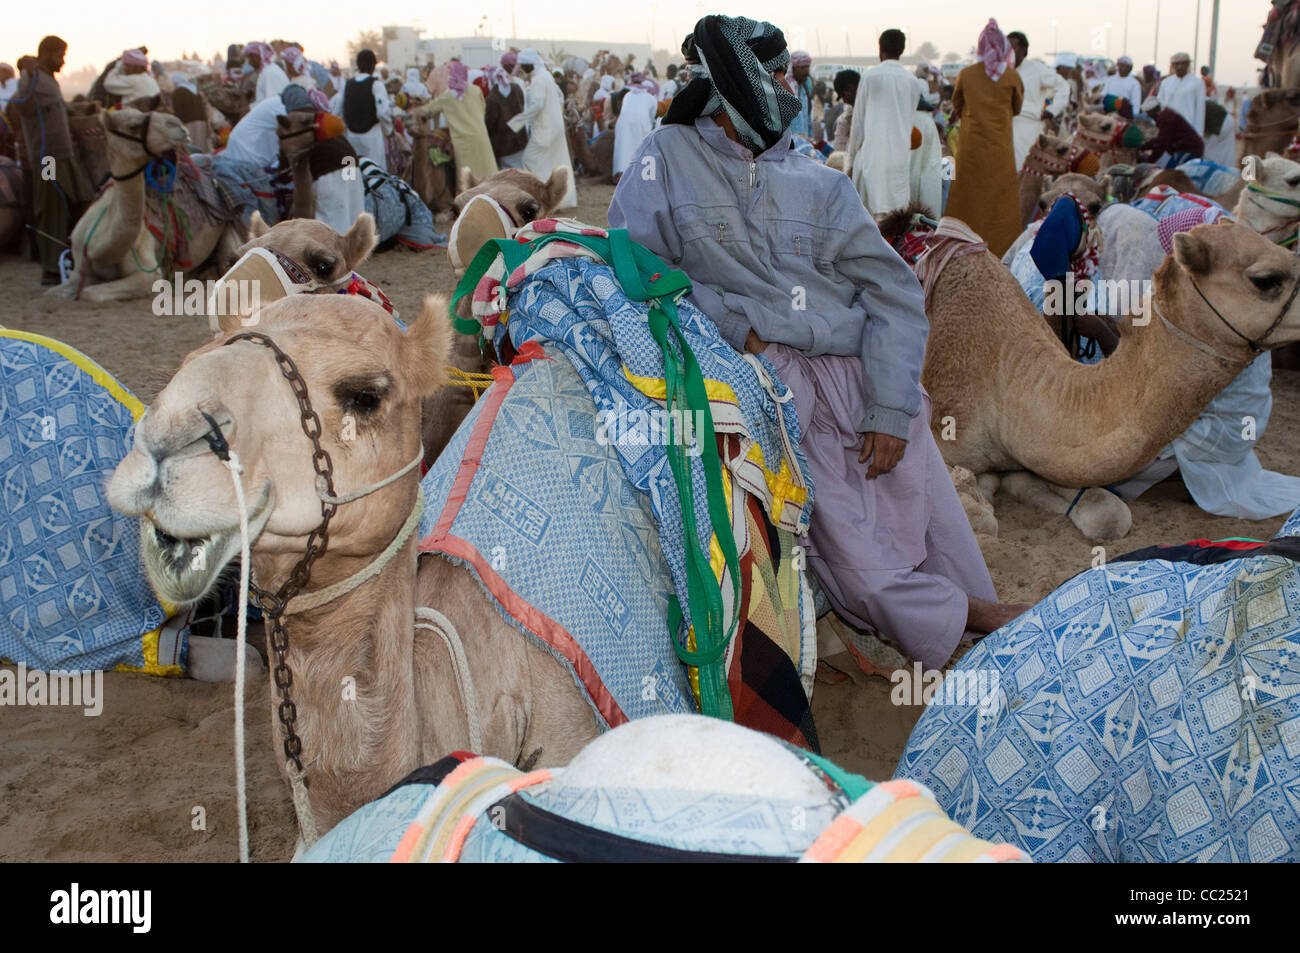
(183, 569)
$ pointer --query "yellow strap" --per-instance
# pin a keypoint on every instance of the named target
(478, 382)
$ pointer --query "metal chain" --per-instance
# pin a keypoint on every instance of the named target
(273, 604)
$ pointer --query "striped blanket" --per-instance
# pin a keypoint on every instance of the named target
(73, 594)
(1147, 710)
(1164, 201)
(667, 789)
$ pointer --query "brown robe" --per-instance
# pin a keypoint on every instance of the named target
(985, 192)
(500, 110)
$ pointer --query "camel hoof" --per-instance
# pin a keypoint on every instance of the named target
(66, 290)
(1101, 515)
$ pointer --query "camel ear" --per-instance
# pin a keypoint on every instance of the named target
(466, 180)
(360, 240)
(429, 337)
(256, 226)
(1191, 253)
(556, 186)
(1042, 140)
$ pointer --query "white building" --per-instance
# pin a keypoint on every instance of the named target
(407, 48)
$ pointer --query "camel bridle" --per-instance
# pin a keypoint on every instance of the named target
(1256, 344)
(142, 141)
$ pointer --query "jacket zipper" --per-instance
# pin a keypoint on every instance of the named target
(722, 228)
(797, 253)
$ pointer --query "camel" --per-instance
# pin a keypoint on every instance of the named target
(522, 194)
(1048, 157)
(324, 168)
(1272, 121)
(406, 709)
(13, 212)
(326, 255)
(1096, 133)
(1284, 65)
(1031, 408)
(111, 243)
(596, 161)
(431, 182)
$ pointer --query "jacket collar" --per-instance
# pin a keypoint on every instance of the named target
(718, 140)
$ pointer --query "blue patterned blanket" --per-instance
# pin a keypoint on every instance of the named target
(1147, 711)
(1210, 177)
(73, 594)
(397, 209)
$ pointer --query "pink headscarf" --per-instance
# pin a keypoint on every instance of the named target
(292, 56)
(134, 58)
(510, 60)
(457, 78)
(500, 78)
(261, 49)
(800, 58)
(995, 51)
(642, 82)
(319, 100)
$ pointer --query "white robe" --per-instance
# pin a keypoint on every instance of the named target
(927, 165)
(271, 82)
(340, 199)
(636, 119)
(1185, 96)
(881, 139)
(547, 148)
(1041, 84)
(369, 144)
(129, 86)
(1125, 86)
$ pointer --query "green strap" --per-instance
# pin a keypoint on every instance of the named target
(854, 785)
(1272, 196)
(644, 277)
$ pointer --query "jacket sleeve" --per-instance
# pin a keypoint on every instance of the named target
(642, 205)
(892, 347)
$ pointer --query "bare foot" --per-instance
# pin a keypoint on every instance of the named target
(985, 617)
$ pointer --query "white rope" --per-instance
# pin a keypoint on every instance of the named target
(314, 600)
(426, 618)
(241, 630)
(367, 490)
(1189, 339)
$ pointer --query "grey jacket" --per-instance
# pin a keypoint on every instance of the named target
(782, 245)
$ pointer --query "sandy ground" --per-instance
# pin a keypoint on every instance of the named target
(126, 785)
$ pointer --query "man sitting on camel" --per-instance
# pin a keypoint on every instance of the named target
(786, 261)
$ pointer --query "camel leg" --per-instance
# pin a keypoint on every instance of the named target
(1097, 513)
(988, 484)
(138, 284)
(228, 245)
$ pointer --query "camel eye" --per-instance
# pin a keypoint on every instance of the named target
(528, 211)
(1268, 282)
(1292, 181)
(362, 396)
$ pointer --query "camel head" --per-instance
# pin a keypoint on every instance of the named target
(1271, 105)
(1276, 174)
(134, 136)
(525, 196)
(325, 254)
(300, 129)
(1090, 192)
(365, 380)
(1243, 276)
(1049, 155)
(1098, 125)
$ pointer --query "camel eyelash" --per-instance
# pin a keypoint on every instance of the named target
(361, 396)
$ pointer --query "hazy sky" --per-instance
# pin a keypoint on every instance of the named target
(816, 25)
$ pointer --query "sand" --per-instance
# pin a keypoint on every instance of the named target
(152, 778)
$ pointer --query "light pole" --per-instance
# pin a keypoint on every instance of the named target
(846, 42)
(1155, 44)
(1056, 36)
(1196, 43)
(1125, 50)
(1108, 26)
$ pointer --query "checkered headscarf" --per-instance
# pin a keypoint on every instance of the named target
(737, 58)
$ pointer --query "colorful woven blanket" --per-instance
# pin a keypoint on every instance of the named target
(757, 615)
(668, 789)
(1210, 177)
(399, 213)
(73, 594)
(1164, 200)
(1148, 710)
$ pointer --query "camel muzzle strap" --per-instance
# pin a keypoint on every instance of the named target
(1256, 344)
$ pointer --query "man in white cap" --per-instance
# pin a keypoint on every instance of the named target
(1046, 93)
(543, 115)
(1123, 83)
(1184, 93)
(1067, 67)
(129, 80)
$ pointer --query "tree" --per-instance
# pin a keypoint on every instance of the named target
(927, 51)
(372, 40)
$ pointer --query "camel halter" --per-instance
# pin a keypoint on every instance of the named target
(142, 141)
(1255, 344)
(276, 605)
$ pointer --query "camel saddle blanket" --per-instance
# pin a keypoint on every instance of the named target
(667, 789)
(541, 510)
(1147, 710)
(73, 594)
(398, 211)
(1164, 201)
(951, 240)
(186, 200)
(1210, 177)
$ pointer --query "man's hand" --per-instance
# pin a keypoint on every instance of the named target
(753, 345)
(883, 451)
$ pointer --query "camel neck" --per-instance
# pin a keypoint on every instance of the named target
(353, 683)
(116, 234)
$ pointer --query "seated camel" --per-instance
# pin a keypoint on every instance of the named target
(1043, 426)
(353, 362)
(115, 253)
